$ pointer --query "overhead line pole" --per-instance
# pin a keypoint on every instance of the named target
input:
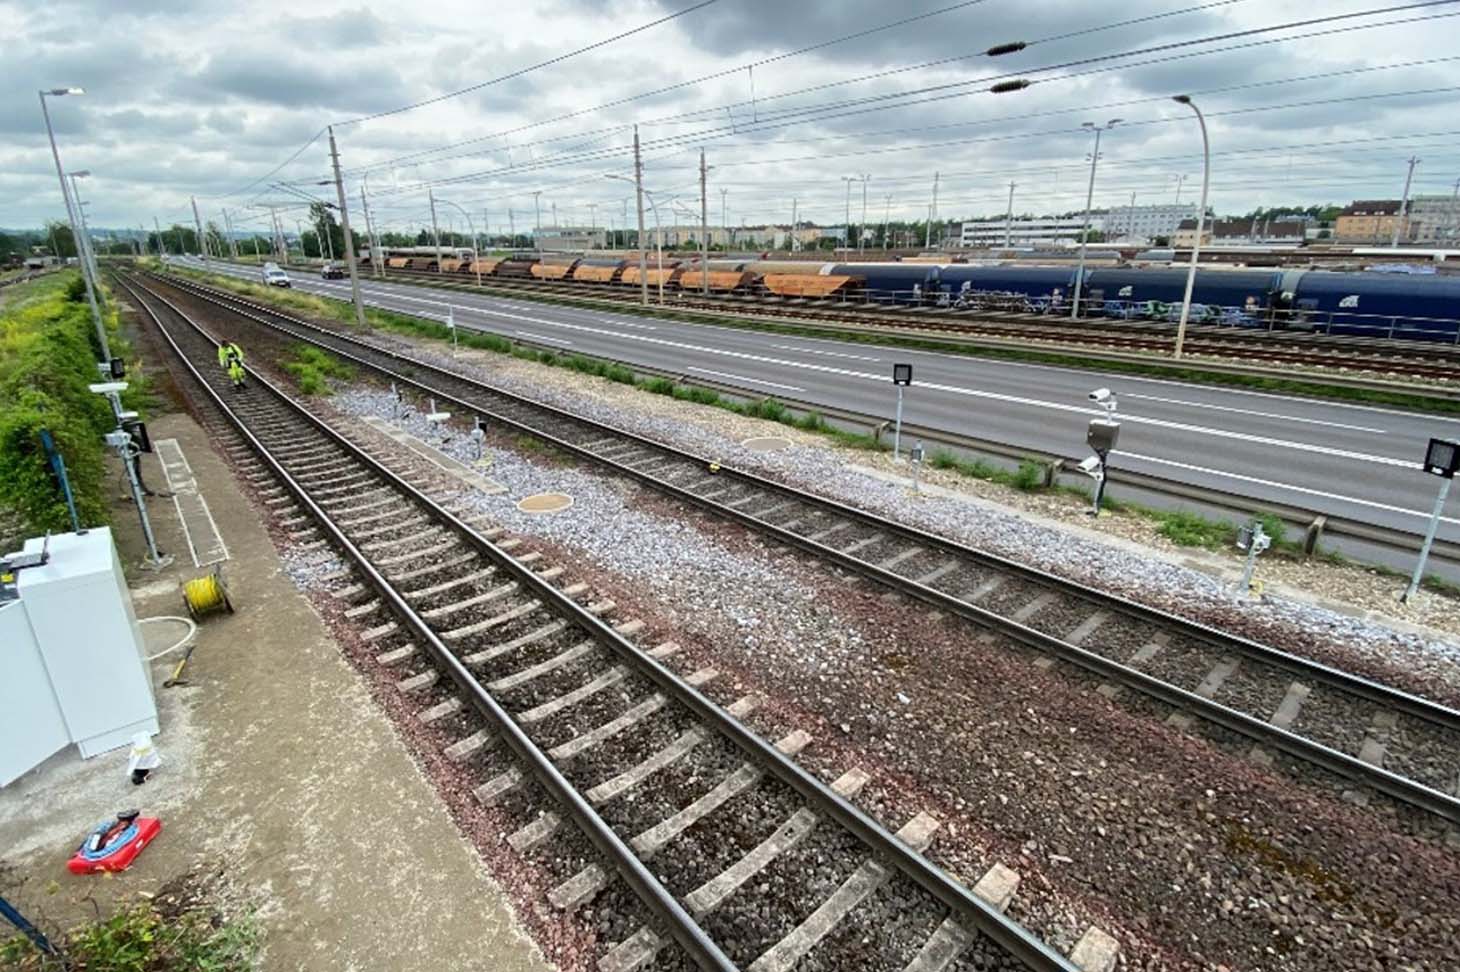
(161, 247)
(704, 230)
(1403, 218)
(345, 226)
(639, 198)
(862, 229)
(198, 225)
(932, 213)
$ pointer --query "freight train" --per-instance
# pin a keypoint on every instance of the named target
(1406, 306)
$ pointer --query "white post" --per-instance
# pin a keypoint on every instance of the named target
(1424, 551)
(1201, 213)
(704, 229)
(435, 231)
(1009, 219)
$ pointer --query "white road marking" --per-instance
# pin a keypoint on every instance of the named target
(753, 381)
(953, 389)
(1425, 514)
(829, 354)
(1248, 411)
(543, 337)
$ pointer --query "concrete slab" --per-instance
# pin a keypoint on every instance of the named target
(276, 762)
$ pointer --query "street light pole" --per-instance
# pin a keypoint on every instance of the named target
(1089, 198)
(435, 232)
(537, 233)
(862, 229)
(83, 246)
(847, 219)
(476, 257)
(639, 201)
(1009, 219)
(1201, 213)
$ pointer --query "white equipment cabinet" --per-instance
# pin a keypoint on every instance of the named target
(72, 667)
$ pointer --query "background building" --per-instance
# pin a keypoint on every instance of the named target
(1367, 221)
(1435, 219)
(1142, 224)
(1026, 231)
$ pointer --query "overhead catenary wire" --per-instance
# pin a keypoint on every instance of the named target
(780, 57)
(699, 138)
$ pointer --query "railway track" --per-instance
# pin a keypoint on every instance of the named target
(1281, 703)
(1414, 359)
(513, 661)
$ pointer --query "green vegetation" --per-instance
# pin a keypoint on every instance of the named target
(312, 369)
(1028, 478)
(143, 938)
(48, 355)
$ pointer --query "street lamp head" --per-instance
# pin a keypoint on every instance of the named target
(1113, 122)
(80, 173)
(58, 92)
(1181, 99)
(1087, 124)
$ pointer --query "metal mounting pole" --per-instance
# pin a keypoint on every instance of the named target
(1085, 229)
(345, 228)
(1424, 551)
(897, 428)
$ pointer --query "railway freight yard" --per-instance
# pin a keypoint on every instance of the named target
(962, 487)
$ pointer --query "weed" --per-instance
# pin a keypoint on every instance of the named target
(139, 938)
(1194, 530)
(312, 369)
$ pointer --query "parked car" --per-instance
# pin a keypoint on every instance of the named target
(332, 271)
(274, 277)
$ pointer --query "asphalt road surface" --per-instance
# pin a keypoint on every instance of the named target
(1353, 461)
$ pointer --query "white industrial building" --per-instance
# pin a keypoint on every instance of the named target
(1037, 231)
(1142, 224)
(1435, 219)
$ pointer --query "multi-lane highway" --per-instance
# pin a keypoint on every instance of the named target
(1353, 461)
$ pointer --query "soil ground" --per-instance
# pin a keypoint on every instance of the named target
(276, 764)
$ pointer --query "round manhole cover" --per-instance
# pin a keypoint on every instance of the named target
(766, 443)
(545, 502)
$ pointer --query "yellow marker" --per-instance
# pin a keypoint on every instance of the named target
(714, 467)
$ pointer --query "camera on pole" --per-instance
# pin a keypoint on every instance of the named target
(1442, 458)
(901, 377)
(1101, 435)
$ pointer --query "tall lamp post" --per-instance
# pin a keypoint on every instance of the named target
(1201, 214)
(476, 260)
(83, 245)
(1089, 198)
(71, 214)
(658, 233)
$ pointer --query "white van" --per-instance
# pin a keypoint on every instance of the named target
(274, 277)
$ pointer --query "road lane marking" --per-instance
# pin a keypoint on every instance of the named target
(543, 337)
(1423, 514)
(1248, 411)
(937, 386)
(829, 354)
(753, 381)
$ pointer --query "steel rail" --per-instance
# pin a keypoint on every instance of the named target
(1008, 935)
(1397, 699)
(1392, 784)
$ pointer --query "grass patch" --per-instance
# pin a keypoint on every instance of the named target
(145, 938)
(1029, 477)
(48, 355)
(312, 369)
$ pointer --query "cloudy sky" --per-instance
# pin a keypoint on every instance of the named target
(224, 100)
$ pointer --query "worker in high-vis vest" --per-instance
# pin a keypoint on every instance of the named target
(230, 357)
